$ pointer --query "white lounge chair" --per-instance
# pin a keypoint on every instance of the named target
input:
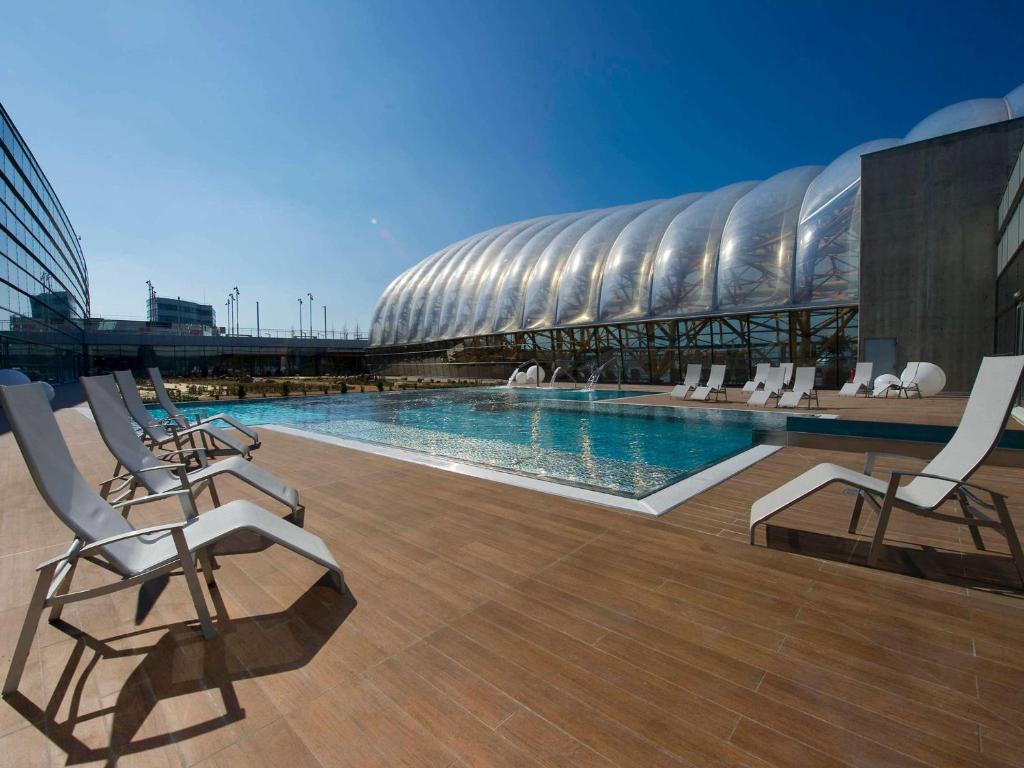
(787, 374)
(906, 386)
(156, 476)
(159, 435)
(135, 555)
(714, 386)
(802, 387)
(760, 376)
(691, 381)
(861, 381)
(181, 420)
(772, 388)
(944, 478)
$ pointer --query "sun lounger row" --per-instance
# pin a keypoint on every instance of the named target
(99, 520)
(715, 385)
(768, 383)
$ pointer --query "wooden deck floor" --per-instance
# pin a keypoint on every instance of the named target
(490, 626)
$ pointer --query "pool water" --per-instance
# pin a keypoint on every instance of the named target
(580, 438)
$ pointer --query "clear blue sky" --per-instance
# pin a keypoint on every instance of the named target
(324, 147)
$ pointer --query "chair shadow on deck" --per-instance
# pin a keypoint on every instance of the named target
(181, 663)
(986, 570)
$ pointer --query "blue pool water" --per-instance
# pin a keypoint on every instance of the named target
(568, 436)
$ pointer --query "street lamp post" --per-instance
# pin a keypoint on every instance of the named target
(300, 317)
(325, 321)
(238, 325)
(228, 305)
(310, 314)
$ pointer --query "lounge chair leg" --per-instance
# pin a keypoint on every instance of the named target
(105, 488)
(194, 588)
(299, 515)
(65, 585)
(131, 494)
(206, 560)
(1010, 532)
(883, 521)
(214, 496)
(28, 630)
(338, 582)
(975, 533)
(855, 517)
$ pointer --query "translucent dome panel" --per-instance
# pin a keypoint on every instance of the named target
(448, 292)
(422, 292)
(426, 328)
(959, 117)
(380, 312)
(1015, 102)
(755, 266)
(470, 287)
(542, 287)
(626, 278)
(391, 311)
(492, 282)
(404, 301)
(828, 234)
(684, 267)
(577, 291)
(508, 315)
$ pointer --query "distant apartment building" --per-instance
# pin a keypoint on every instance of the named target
(177, 311)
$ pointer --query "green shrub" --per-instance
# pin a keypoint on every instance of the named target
(241, 392)
(285, 389)
(344, 388)
(380, 385)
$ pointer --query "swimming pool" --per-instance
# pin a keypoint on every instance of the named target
(580, 439)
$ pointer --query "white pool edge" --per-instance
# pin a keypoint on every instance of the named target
(657, 504)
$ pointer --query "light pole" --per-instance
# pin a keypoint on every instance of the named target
(238, 325)
(310, 314)
(300, 317)
(228, 305)
(325, 321)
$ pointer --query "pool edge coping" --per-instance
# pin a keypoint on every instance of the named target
(654, 505)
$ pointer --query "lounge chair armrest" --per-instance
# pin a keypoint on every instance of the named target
(892, 454)
(179, 452)
(73, 553)
(164, 528)
(955, 481)
(168, 465)
(153, 497)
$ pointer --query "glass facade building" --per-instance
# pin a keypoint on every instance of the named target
(44, 282)
(754, 271)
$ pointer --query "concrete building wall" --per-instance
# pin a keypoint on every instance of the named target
(928, 248)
